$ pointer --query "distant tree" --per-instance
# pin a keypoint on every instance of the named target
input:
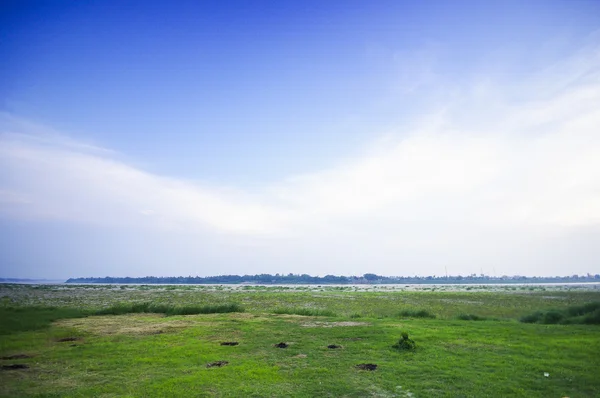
(370, 277)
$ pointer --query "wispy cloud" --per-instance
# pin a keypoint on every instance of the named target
(510, 163)
(67, 183)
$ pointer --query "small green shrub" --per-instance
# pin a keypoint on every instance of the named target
(405, 343)
(416, 314)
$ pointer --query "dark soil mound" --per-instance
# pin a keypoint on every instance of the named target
(17, 356)
(366, 366)
(15, 366)
(281, 345)
(67, 339)
(217, 364)
(230, 343)
(333, 346)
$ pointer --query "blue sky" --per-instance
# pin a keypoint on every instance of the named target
(207, 138)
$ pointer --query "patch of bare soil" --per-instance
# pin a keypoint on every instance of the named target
(15, 366)
(333, 324)
(366, 366)
(217, 364)
(281, 345)
(17, 356)
(231, 343)
(301, 356)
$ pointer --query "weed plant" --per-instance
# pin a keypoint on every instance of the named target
(405, 343)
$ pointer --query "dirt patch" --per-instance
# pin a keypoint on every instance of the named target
(129, 324)
(366, 366)
(15, 366)
(17, 356)
(301, 356)
(217, 364)
(281, 345)
(333, 324)
(333, 346)
(232, 343)
(65, 339)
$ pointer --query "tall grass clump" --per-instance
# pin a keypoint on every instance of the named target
(168, 309)
(415, 314)
(588, 314)
(303, 311)
(471, 317)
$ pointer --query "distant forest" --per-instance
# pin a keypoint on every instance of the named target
(304, 279)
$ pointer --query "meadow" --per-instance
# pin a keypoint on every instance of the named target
(151, 340)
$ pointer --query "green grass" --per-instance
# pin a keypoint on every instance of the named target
(21, 319)
(135, 351)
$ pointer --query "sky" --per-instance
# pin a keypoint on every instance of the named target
(320, 137)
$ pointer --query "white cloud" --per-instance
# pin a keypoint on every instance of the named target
(87, 187)
(499, 174)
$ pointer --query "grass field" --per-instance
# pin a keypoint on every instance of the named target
(134, 341)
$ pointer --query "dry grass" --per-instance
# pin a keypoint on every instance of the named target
(142, 324)
(131, 324)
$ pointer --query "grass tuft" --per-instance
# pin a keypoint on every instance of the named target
(415, 314)
(471, 317)
(168, 309)
(303, 311)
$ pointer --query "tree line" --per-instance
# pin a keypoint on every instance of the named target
(305, 279)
